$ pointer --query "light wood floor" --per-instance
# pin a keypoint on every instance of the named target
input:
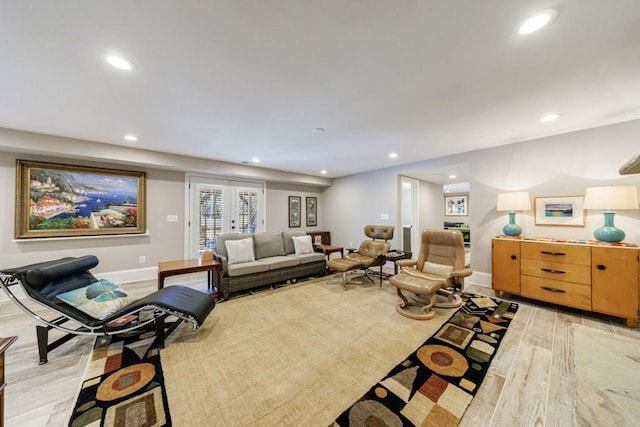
(530, 382)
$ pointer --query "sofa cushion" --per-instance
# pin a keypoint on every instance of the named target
(287, 237)
(308, 258)
(302, 245)
(240, 251)
(276, 262)
(268, 245)
(247, 268)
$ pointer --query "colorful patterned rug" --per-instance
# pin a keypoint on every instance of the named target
(435, 384)
(123, 384)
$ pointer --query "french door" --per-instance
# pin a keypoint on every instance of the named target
(222, 206)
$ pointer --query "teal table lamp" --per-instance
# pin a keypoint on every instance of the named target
(610, 198)
(512, 202)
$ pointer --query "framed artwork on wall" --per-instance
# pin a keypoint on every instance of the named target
(294, 211)
(456, 205)
(312, 211)
(57, 200)
(559, 210)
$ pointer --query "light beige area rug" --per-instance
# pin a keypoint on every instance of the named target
(607, 378)
(295, 356)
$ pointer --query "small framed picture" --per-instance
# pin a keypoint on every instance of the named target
(559, 210)
(456, 205)
(312, 211)
(294, 211)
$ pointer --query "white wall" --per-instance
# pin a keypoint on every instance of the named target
(359, 200)
(561, 165)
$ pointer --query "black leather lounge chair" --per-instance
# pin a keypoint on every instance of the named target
(43, 282)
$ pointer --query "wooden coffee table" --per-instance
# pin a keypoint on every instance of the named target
(185, 266)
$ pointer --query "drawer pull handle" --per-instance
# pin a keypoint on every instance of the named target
(553, 253)
(514, 257)
(550, 270)
(560, 291)
(601, 267)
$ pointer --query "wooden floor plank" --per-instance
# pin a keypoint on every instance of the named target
(524, 397)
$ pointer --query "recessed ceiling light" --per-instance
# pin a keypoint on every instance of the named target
(323, 172)
(452, 176)
(537, 21)
(549, 117)
(119, 62)
(318, 130)
(131, 138)
(393, 155)
(255, 160)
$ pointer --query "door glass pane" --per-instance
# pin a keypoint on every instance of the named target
(247, 210)
(210, 217)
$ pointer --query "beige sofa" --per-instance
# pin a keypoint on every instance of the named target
(274, 260)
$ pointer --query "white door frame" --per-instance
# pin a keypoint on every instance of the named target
(409, 212)
(195, 181)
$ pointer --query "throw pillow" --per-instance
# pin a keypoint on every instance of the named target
(240, 251)
(437, 269)
(302, 245)
(99, 300)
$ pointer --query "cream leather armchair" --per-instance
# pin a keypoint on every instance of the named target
(439, 269)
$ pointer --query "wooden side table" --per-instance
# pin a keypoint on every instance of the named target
(329, 249)
(394, 256)
(184, 266)
(4, 345)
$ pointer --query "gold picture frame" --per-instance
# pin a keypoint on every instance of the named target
(60, 200)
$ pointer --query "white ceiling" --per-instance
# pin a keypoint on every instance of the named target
(236, 79)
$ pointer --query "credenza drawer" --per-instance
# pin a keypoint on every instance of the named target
(557, 292)
(556, 253)
(556, 271)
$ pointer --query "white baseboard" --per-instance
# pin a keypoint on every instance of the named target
(128, 276)
(481, 279)
(123, 276)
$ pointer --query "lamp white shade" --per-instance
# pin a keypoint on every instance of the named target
(611, 197)
(516, 201)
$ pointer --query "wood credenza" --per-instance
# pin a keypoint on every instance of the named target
(599, 278)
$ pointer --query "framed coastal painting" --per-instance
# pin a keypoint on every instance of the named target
(294, 211)
(559, 210)
(312, 211)
(456, 205)
(58, 200)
